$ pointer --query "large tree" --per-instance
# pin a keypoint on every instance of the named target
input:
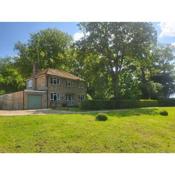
(47, 47)
(10, 78)
(164, 70)
(117, 45)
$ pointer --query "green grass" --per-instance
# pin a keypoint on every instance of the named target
(132, 130)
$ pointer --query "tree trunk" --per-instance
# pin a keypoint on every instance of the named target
(115, 85)
(144, 86)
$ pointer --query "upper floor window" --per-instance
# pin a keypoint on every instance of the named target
(68, 83)
(54, 80)
(29, 84)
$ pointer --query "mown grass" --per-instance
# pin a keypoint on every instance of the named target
(125, 131)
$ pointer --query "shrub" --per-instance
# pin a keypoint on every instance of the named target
(101, 117)
(119, 104)
(164, 113)
(148, 103)
(64, 105)
(98, 104)
(122, 104)
(167, 102)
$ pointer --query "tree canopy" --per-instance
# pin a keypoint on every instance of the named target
(120, 60)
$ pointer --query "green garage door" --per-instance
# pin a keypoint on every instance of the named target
(34, 101)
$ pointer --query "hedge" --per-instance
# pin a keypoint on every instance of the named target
(121, 104)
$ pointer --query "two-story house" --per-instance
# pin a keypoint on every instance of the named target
(45, 89)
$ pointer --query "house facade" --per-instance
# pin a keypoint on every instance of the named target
(45, 89)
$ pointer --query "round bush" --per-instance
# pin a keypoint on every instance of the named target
(164, 113)
(101, 117)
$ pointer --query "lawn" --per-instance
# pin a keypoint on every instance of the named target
(125, 131)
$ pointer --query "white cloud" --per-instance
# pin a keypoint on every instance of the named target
(173, 44)
(167, 29)
(77, 36)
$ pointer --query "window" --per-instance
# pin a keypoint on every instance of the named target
(53, 96)
(81, 97)
(58, 81)
(69, 98)
(29, 83)
(68, 83)
(53, 80)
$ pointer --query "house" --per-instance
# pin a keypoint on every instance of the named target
(45, 89)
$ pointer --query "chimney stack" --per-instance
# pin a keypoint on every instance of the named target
(35, 69)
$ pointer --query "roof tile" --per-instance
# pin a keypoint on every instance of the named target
(59, 73)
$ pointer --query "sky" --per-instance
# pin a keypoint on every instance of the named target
(12, 32)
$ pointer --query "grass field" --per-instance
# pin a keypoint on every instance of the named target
(133, 130)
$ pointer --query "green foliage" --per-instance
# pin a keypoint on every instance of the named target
(164, 113)
(101, 117)
(123, 104)
(117, 60)
(117, 45)
(47, 47)
(88, 97)
(10, 78)
(167, 102)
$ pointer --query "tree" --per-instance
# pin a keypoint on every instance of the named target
(10, 78)
(47, 47)
(117, 45)
(164, 72)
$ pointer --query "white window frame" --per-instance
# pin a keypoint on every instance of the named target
(58, 96)
(71, 99)
(52, 94)
(53, 80)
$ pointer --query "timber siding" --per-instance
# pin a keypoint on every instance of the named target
(12, 100)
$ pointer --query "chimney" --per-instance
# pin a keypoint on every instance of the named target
(35, 69)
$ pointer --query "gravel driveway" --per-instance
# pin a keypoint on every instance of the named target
(32, 112)
(44, 112)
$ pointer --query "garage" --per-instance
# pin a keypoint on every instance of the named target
(34, 101)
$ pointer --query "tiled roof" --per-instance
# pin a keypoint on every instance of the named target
(59, 73)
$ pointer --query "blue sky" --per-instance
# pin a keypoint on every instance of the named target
(11, 33)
